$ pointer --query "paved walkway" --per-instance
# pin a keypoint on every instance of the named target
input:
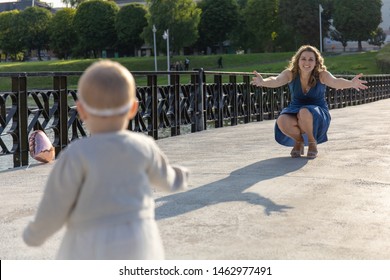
(249, 200)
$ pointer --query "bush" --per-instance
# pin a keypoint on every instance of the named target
(383, 59)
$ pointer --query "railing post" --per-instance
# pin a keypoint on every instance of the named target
(199, 120)
(219, 101)
(19, 87)
(363, 96)
(175, 129)
(381, 85)
(248, 103)
(377, 95)
(60, 86)
(260, 102)
(152, 84)
(386, 87)
(234, 118)
(356, 95)
(349, 99)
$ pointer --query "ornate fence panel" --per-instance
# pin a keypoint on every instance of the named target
(193, 101)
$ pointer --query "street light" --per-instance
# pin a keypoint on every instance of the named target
(320, 13)
(154, 43)
(166, 37)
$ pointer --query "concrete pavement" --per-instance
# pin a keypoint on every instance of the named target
(248, 199)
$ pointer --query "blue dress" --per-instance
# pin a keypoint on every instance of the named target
(314, 100)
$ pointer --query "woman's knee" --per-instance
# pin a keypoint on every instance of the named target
(304, 113)
(280, 121)
(285, 121)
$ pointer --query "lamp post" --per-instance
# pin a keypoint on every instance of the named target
(166, 37)
(154, 43)
(320, 13)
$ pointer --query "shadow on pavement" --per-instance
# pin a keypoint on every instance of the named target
(231, 188)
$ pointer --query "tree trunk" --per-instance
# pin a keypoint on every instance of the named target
(360, 48)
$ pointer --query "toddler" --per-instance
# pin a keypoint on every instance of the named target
(101, 186)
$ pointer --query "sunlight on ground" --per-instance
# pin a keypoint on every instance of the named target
(13, 64)
(65, 62)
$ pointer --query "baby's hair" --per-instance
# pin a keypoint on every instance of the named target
(106, 88)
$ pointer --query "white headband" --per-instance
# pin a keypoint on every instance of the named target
(105, 112)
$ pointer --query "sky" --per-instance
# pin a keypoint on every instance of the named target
(385, 15)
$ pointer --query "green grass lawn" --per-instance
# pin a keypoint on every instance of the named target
(351, 63)
(264, 62)
(354, 64)
(208, 62)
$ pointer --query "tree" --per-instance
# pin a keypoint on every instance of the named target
(262, 23)
(301, 20)
(242, 3)
(357, 19)
(181, 17)
(377, 37)
(240, 38)
(35, 23)
(130, 21)
(94, 23)
(63, 37)
(10, 40)
(218, 20)
(338, 36)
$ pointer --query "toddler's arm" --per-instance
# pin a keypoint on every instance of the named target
(58, 200)
(164, 175)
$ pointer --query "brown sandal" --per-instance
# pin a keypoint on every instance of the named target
(312, 153)
(295, 153)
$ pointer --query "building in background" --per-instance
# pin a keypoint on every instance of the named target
(22, 5)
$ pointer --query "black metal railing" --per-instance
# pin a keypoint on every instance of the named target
(192, 101)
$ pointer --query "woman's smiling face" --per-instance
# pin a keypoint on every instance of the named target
(307, 61)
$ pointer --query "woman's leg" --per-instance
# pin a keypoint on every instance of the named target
(288, 124)
(305, 123)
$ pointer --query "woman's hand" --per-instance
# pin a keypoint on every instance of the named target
(357, 83)
(257, 80)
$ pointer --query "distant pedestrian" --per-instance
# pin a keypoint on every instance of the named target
(186, 64)
(220, 62)
(101, 187)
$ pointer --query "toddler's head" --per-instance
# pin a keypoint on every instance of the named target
(106, 91)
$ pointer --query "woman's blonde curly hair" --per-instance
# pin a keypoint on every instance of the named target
(319, 67)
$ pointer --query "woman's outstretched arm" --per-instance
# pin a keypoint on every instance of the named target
(272, 82)
(340, 83)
